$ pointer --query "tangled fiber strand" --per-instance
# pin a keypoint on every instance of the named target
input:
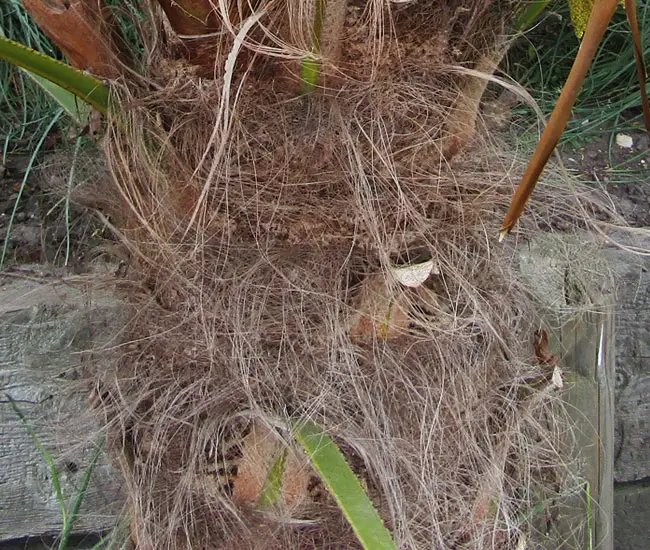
(262, 229)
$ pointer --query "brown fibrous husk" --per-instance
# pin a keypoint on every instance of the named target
(260, 223)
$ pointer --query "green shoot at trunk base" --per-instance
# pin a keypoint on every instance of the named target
(344, 486)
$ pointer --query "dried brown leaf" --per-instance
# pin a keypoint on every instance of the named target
(544, 356)
(261, 448)
(382, 313)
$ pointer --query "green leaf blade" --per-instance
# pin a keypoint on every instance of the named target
(81, 493)
(353, 501)
(54, 474)
(77, 110)
(309, 72)
(529, 13)
(84, 86)
(71, 104)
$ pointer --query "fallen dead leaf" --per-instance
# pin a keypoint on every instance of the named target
(541, 349)
(624, 141)
(414, 275)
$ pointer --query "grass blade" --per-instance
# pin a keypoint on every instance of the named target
(56, 482)
(630, 10)
(84, 86)
(358, 509)
(81, 493)
(599, 19)
(23, 184)
(590, 516)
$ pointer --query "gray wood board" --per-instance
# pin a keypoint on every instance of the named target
(631, 522)
(572, 282)
(548, 262)
(46, 330)
(632, 429)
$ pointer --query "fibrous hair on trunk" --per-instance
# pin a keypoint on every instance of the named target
(264, 227)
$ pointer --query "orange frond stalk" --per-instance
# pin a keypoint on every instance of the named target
(191, 17)
(597, 24)
(630, 10)
(82, 31)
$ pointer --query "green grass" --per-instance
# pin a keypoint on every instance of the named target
(23, 183)
(609, 100)
(28, 114)
(590, 516)
(31, 107)
(128, 18)
(26, 110)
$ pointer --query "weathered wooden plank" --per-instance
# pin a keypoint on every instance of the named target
(631, 526)
(568, 274)
(632, 430)
(46, 328)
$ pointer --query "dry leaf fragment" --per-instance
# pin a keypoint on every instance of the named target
(414, 275)
(624, 141)
(541, 349)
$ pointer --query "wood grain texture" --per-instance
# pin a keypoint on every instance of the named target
(632, 429)
(631, 525)
(46, 332)
(570, 277)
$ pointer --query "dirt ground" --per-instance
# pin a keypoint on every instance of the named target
(46, 226)
(624, 172)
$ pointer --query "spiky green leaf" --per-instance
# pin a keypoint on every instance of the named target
(344, 486)
(82, 85)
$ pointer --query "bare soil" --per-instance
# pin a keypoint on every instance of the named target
(44, 219)
(623, 172)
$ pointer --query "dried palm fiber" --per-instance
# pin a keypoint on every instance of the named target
(262, 227)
